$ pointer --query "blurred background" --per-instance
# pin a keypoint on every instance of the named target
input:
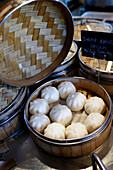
(78, 7)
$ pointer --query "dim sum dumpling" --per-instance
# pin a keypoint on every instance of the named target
(95, 104)
(39, 106)
(65, 88)
(61, 114)
(50, 94)
(39, 122)
(75, 101)
(55, 131)
(94, 121)
(76, 130)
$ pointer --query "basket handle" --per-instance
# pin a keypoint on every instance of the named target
(97, 161)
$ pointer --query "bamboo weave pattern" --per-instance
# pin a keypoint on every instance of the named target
(7, 94)
(31, 39)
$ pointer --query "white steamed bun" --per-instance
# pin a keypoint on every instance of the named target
(39, 106)
(65, 88)
(75, 101)
(61, 114)
(55, 131)
(76, 130)
(50, 94)
(95, 104)
(39, 122)
(94, 121)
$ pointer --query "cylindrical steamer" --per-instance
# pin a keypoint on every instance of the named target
(89, 25)
(11, 113)
(73, 147)
(68, 65)
(89, 68)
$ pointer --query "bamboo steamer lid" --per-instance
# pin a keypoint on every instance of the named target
(35, 37)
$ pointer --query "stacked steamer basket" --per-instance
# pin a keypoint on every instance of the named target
(12, 101)
(89, 25)
(12, 98)
(68, 66)
(89, 67)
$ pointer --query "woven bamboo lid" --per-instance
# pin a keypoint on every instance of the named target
(35, 37)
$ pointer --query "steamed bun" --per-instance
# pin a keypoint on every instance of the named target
(39, 106)
(50, 94)
(76, 130)
(95, 104)
(55, 131)
(76, 101)
(39, 122)
(61, 114)
(94, 121)
(65, 88)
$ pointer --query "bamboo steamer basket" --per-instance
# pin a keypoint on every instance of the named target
(89, 68)
(12, 101)
(68, 65)
(73, 147)
(89, 25)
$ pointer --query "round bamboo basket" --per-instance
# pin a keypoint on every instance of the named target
(12, 102)
(73, 147)
(35, 37)
(89, 25)
(68, 64)
(89, 68)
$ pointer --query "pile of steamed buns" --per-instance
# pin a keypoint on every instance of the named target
(56, 122)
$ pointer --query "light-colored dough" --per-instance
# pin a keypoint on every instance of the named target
(39, 106)
(55, 131)
(50, 94)
(39, 122)
(65, 88)
(94, 121)
(76, 130)
(76, 101)
(95, 104)
(61, 114)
